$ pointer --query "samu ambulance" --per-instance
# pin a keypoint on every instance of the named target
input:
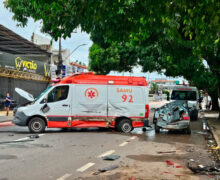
(87, 100)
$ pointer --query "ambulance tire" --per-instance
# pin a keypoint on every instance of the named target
(36, 125)
(124, 126)
(154, 120)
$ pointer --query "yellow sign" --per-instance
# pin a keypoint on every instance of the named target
(20, 63)
(46, 70)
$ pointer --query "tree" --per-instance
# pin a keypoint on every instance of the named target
(175, 62)
(191, 25)
(154, 88)
(117, 57)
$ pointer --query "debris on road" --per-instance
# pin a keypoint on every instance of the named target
(165, 152)
(215, 148)
(7, 142)
(190, 149)
(202, 169)
(169, 163)
(166, 172)
(111, 157)
(109, 168)
(202, 132)
(34, 136)
(179, 166)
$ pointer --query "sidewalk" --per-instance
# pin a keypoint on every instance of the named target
(214, 124)
(4, 118)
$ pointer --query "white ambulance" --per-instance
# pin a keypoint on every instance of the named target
(87, 100)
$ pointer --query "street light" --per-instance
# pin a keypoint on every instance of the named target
(75, 50)
(60, 61)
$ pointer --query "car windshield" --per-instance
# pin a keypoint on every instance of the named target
(184, 95)
(48, 88)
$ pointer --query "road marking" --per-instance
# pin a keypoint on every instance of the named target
(123, 144)
(107, 153)
(83, 168)
(22, 139)
(133, 137)
(65, 176)
(26, 138)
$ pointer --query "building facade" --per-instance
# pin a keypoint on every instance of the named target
(22, 64)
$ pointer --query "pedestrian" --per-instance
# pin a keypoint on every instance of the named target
(7, 103)
(208, 101)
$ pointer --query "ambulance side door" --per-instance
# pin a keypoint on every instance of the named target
(90, 102)
(58, 106)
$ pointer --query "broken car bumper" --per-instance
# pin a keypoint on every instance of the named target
(176, 125)
(20, 119)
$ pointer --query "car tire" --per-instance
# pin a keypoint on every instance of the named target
(154, 120)
(36, 125)
(188, 130)
(194, 115)
(124, 126)
(157, 128)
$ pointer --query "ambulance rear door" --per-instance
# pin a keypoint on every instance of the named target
(128, 101)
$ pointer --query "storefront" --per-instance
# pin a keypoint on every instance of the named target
(22, 64)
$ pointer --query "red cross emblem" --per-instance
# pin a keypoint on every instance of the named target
(91, 93)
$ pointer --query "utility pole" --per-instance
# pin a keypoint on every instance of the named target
(60, 61)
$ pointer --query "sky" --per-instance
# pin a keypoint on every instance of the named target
(81, 54)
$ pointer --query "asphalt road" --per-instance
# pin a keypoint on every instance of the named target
(77, 153)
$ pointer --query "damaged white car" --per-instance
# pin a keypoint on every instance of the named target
(173, 115)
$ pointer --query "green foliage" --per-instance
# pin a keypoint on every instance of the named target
(117, 57)
(166, 92)
(154, 88)
(174, 36)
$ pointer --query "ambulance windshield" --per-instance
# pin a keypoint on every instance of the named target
(46, 90)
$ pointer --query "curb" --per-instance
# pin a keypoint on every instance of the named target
(212, 130)
(5, 121)
(6, 124)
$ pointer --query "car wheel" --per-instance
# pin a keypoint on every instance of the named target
(36, 125)
(157, 128)
(125, 126)
(188, 130)
(154, 119)
(194, 115)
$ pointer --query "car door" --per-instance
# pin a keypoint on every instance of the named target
(58, 106)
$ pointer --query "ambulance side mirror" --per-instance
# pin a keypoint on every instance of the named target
(44, 101)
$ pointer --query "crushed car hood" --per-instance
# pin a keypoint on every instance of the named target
(24, 94)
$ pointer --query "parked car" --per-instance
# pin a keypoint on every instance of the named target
(2, 102)
(173, 115)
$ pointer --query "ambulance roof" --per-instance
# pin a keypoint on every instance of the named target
(91, 78)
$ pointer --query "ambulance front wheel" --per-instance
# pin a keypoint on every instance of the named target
(36, 125)
(125, 126)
